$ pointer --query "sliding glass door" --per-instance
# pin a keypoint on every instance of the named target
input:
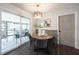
(3, 36)
(25, 25)
(13, 29)
(17, 31)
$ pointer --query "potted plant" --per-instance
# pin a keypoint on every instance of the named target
(17, 34)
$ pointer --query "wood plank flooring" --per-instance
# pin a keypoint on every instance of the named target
(26, 49)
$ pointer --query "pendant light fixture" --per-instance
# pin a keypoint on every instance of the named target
(37, 14)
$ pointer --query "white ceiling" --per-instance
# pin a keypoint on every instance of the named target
(45, 7)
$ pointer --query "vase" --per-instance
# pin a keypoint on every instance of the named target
(39, 32)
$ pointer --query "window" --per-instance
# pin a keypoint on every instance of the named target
(10, 17)
(24, 20)
(25, 24)
(13, 28)
(10, 28)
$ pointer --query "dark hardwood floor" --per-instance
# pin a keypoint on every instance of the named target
(26, 49)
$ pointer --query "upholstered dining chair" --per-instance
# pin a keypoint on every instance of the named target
(29, 35)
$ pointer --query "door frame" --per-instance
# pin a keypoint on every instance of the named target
(75, 36)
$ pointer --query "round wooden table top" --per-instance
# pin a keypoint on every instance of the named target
(42, 37)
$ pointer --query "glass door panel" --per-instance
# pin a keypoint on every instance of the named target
(9, 41)
(24, 38)
(3, 35)
(17, 33)
(10, 28)
(10, 33)
(13, 29)
(24, 29)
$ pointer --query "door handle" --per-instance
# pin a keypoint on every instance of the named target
(59, 31)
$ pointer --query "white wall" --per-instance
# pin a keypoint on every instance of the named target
(54, 21)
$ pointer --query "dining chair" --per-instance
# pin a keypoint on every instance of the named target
(29, 35)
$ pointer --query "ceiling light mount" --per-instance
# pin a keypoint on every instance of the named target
(37, 5)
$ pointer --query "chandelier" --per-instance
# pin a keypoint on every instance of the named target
(37, 14)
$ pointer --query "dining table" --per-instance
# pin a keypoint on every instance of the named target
(43, 41)
(42, 37)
